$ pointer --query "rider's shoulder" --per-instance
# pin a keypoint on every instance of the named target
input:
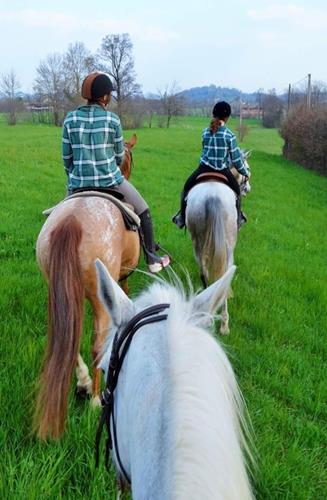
(71, 115)
(113, 118)
(229, 133)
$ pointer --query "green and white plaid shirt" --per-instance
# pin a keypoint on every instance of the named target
(220, 150)
(92, 147)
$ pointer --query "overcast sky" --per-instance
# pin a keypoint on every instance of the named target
(245, 44)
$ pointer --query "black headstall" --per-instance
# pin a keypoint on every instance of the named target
(121, 343)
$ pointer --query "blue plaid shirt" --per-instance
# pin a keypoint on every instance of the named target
(220, 150)
(92, 147)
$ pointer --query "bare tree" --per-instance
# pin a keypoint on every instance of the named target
(172, 103)
(151, 109)
(9, 89)
(50, 84)
(78, 62)
(318, 94)
(242, 130)
(118, 62)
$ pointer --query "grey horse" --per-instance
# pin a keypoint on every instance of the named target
(211, 218)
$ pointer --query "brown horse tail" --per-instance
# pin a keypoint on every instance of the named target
(65, 316)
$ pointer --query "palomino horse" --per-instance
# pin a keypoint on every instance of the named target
(76, 233)
(176, 422)
(211, 219)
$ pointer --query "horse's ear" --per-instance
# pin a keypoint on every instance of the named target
(133, 140)
(247, 153)
(212, 297)
(112, 296)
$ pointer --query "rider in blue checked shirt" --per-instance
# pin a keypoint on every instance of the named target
(219, 152)
(93, 149)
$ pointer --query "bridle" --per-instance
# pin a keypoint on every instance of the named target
(121, 343)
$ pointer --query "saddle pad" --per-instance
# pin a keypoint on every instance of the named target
(214, 176)
(132, 221)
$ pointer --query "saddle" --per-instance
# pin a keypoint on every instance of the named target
(112, 192)
(131, 220)
(213, 176)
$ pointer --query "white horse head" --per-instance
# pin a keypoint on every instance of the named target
(244, 182)
(178, 409)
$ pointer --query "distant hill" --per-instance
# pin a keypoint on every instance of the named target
(211, 93)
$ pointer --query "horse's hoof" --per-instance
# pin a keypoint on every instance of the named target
(95, 402)
(224, 330)
(82, 392)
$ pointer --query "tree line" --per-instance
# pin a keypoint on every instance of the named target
(59, 78)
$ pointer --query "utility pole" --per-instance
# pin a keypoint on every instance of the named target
(309, 92)
(241, 118)
(289, 98)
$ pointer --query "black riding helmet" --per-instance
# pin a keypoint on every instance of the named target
(96, 85)
(221, 110)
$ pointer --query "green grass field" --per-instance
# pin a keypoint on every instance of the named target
(278, 314)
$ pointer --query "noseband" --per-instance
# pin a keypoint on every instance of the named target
(121, 343)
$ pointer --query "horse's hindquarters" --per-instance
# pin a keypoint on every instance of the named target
(77, 232)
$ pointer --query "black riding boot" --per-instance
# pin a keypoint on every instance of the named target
(241, 218)
(154, 261)
(179, 218)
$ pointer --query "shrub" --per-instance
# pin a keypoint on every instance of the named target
(305, 134)
(242, 131)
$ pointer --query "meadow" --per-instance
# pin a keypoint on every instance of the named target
(278, 316)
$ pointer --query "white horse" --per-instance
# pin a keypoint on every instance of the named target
(211, 218)
(178, 409)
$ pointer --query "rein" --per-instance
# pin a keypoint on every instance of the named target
(121, 343)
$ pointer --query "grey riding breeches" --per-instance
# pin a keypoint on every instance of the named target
(131, 196)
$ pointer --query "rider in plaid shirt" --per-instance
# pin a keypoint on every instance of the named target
(219, 153)
(93, 149)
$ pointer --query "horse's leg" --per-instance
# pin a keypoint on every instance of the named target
(224, 325)
(101, 325)
(203, 280)
(84, 381)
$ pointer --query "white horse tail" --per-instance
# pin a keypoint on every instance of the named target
(209, 462)
(209, 240)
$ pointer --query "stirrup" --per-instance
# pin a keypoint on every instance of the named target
(156, 267)
(159, 248)
(178, 220)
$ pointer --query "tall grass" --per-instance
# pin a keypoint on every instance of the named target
(278, 315)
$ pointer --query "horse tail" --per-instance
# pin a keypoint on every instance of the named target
(65, 316)
(212, 401)
(213, 256)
